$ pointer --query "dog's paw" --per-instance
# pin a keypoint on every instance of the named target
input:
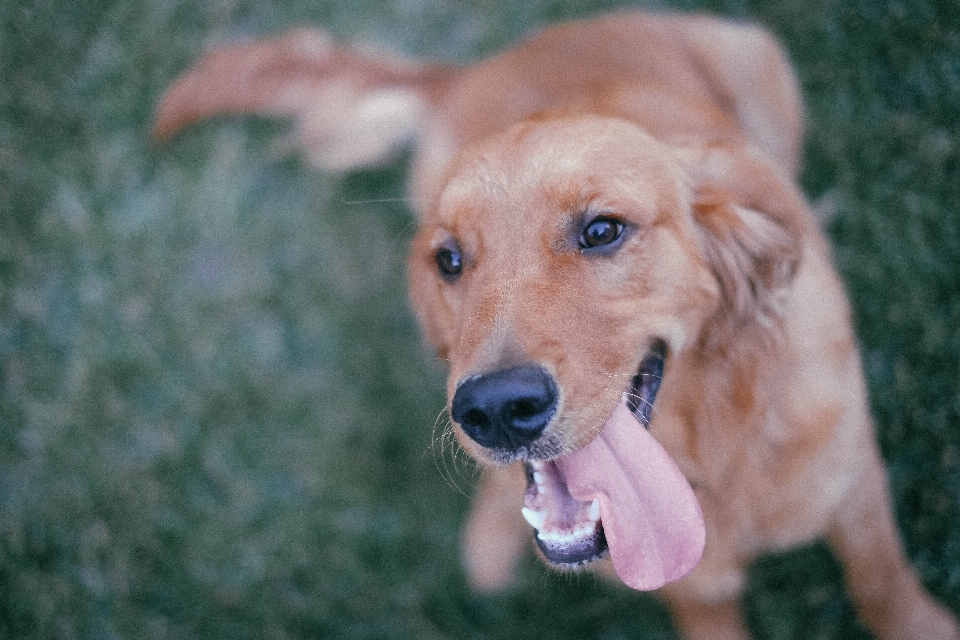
(928, 621)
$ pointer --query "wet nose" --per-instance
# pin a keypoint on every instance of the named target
(506, 409)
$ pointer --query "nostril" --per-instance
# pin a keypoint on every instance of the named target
(524, 409)
(475, 418)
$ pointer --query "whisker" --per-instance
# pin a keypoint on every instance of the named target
(637, 399)
(615, 375)
(450, 469)
(608, 406)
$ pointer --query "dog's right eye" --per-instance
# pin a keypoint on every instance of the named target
(449, 263)
(601, 232)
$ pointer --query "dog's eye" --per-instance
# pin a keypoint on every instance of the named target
(601, 232)
(449, 263)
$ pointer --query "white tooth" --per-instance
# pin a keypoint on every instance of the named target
(534, 518)
(547, 536)
(539, 478)
(594, 510)
(554, 537)
(566, 537)
(537, 465)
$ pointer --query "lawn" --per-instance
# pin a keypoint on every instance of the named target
(216, 416)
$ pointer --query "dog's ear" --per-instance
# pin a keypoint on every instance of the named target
(751, 225)
(352, 108)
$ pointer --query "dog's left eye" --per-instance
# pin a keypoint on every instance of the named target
(449, 263)
(601, 232)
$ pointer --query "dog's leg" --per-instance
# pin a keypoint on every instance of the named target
(885, 589)
(706, 603)
(496, 534)
(707, 621)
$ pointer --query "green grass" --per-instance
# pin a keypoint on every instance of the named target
(216, 418)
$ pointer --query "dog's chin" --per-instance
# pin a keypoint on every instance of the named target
(568, 532)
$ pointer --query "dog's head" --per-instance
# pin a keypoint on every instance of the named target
(563, 267)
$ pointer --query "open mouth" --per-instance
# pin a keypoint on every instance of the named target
(569, 532)
(620, 495)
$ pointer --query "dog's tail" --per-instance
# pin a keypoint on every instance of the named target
(351, 108)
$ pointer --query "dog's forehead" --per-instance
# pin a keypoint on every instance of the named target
(540, 173)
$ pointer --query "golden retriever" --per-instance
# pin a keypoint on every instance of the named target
(649, 349)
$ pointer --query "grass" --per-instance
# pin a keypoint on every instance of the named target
(215, 413)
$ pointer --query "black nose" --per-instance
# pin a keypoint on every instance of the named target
(506, 409)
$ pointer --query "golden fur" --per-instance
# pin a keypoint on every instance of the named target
(687, 130)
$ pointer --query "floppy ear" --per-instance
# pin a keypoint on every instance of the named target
(752, 225)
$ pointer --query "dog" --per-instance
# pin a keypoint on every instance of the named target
(649, 350)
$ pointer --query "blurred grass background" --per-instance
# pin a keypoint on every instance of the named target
(215, 413)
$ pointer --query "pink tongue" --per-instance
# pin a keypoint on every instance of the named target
(651, 518)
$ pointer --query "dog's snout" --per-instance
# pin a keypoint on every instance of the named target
(506, 409)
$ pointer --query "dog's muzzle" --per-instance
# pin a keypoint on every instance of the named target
(506, 409)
